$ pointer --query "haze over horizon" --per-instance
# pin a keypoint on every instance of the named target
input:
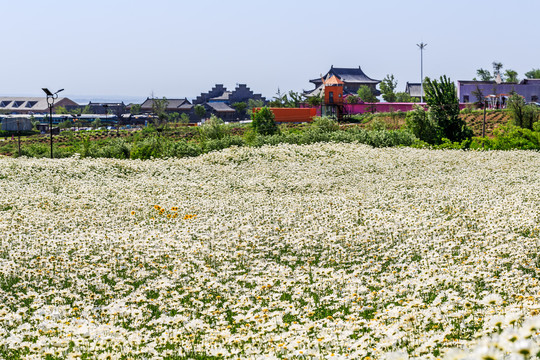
(126, 50)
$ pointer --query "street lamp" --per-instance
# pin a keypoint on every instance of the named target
(422, 45)
(50, 102)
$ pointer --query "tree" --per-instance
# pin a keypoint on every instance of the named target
(252, 103)
(200, 111)
(96, 124)
(497, 67)
(511, 76)
(522, 115)
(60, 110)
(479, 95)
(441, 97)
(314, 101)
(159, 108)
(240, 108)
(387, 86)
(484, 75)
(135, 109)
(173, 117)
(533, 74)
(352, 99)
(422, 125)
(184, 119)
(404, 97)
(263, 122)
(366, 94)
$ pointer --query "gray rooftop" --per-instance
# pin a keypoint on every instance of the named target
(348, 75)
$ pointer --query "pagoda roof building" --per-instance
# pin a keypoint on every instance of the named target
(352, 79)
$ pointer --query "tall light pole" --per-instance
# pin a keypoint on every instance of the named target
(50, 102)
(421, 46)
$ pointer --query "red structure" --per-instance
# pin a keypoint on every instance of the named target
(292, 114)
(333, 98)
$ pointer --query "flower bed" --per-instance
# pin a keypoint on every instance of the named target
(319, 251)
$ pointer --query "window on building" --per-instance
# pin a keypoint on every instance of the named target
(466, 98)
(4, 103)
(331, 97)
(30, 104)
(534, 98)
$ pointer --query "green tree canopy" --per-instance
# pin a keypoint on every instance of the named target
(263, 122)
(404, 97)
(200, 111)
(533, 74)
(366, 94)
(484, 75)
(441, 97)
(511, 76)
(387, 86)
(135, 109)
(522, 115)
(159, 108)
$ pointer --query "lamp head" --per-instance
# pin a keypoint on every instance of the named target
(59, 91)
(47, 91)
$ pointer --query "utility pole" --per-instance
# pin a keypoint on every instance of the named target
(422, 45)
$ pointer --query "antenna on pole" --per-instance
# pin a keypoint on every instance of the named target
(422, 45)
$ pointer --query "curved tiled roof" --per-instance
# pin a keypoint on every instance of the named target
(348, 75)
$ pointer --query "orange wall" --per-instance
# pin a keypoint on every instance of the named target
(292, 114)
(337, 90)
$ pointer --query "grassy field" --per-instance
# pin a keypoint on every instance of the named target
(326, 251)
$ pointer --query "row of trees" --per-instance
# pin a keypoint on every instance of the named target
(509, 75)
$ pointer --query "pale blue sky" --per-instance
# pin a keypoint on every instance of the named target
(128, 49)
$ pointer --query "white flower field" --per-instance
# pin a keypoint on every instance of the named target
(327, 251)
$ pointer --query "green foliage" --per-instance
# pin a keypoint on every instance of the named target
(387, 86)
(377, 124)
(484, 75)
(200, 111)
(65, 124)
(173, 117)
(96, 124)
(533, 74)
(404, 97)
(522, 115)
(509, 137)
(135, 109)
(184, 119)
(314, 100)
(324, 124)
(479, 96)
(290, 100)
(422, 125)
(511, 76)
(151, 147)
(213, 128)
(353, 99)
(60, 110)
(366, 94)
(263, 122)
(159, 108)
(441, 97)
(240, 108)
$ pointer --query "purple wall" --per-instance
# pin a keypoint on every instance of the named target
(529, 89)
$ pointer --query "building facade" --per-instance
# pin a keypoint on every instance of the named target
(473, 91)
